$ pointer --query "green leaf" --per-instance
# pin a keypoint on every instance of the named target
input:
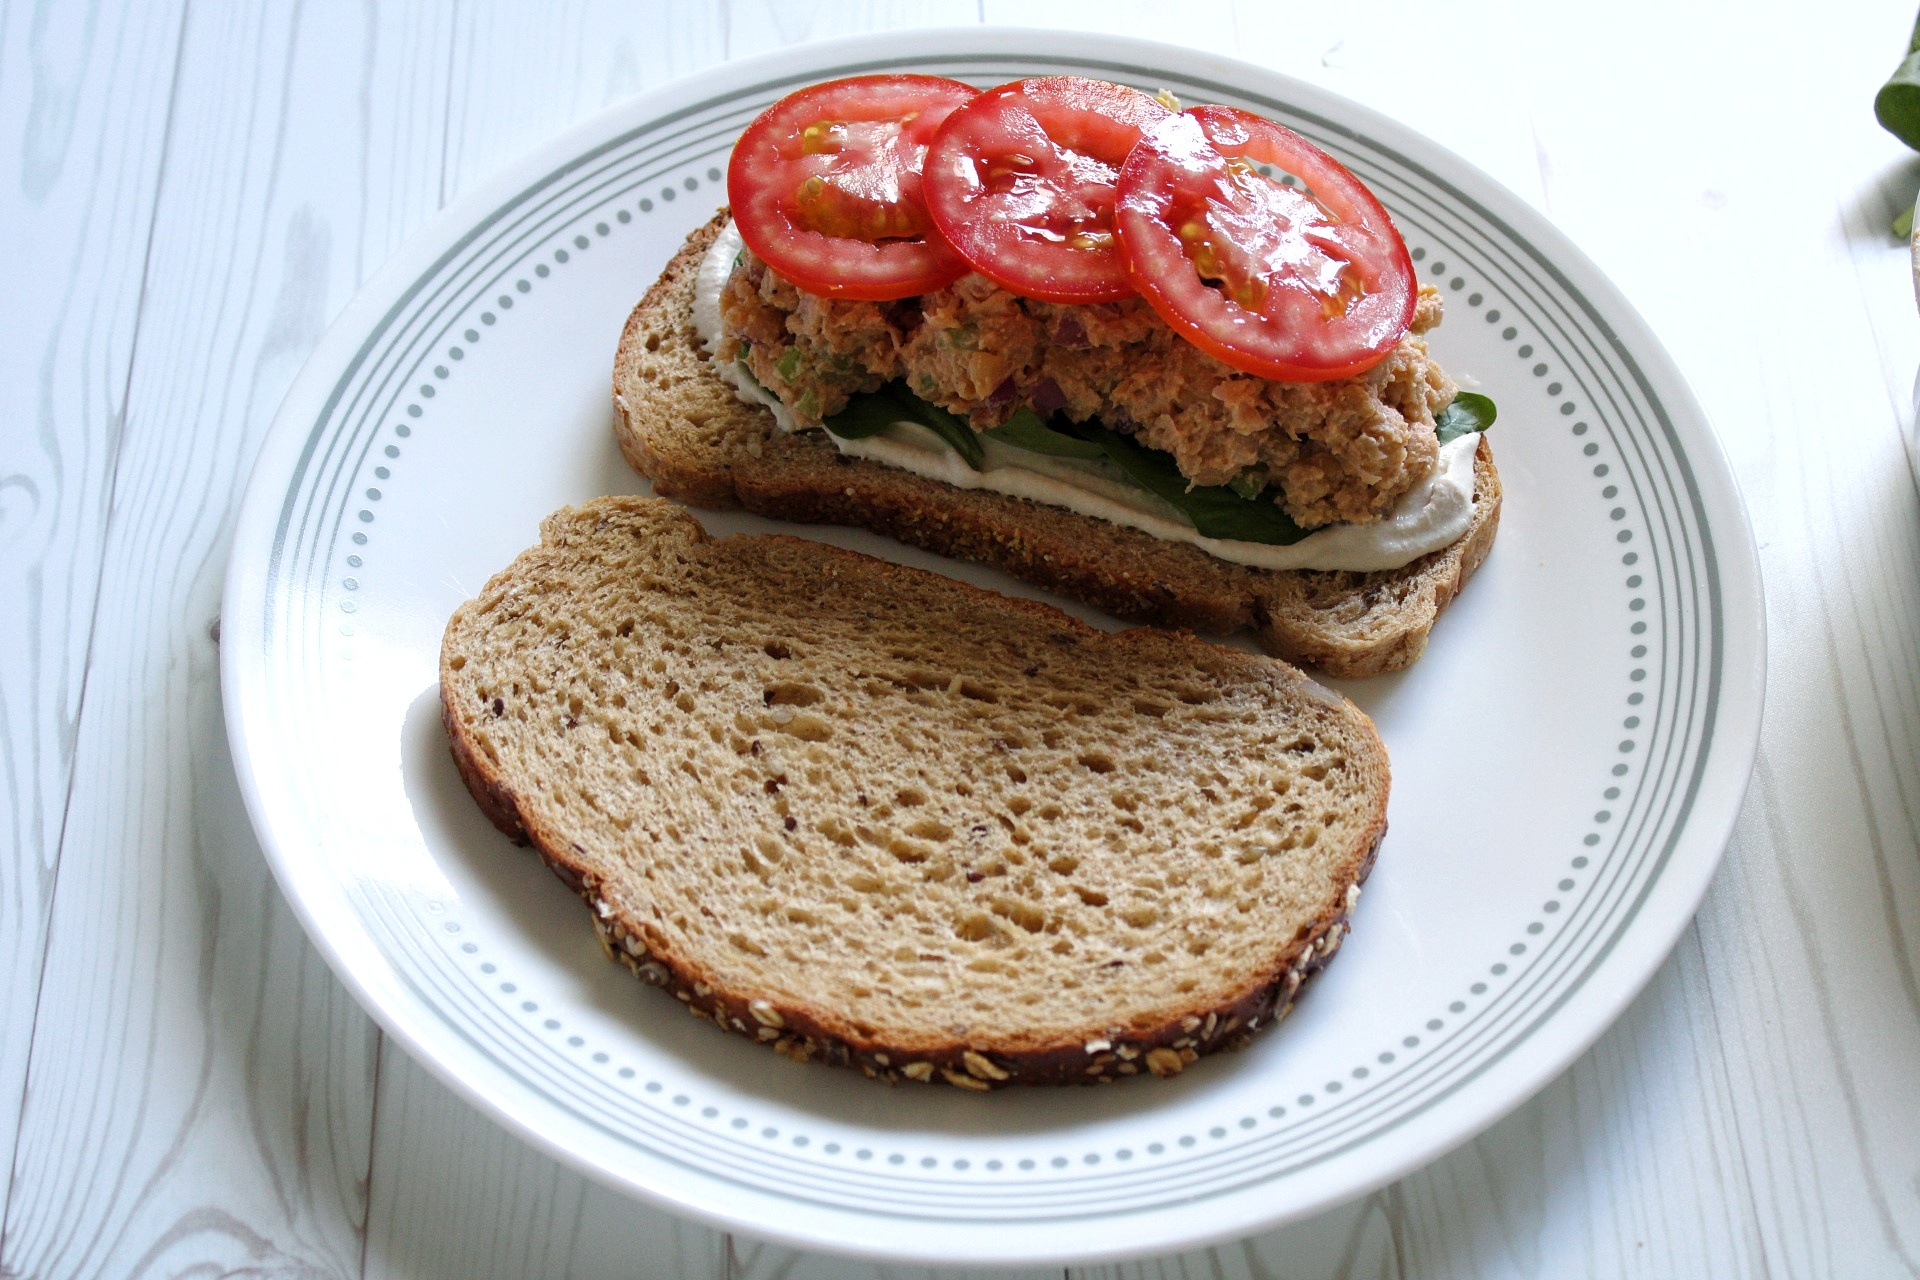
(1024, 430)
(1903, 223)
(1897, 105)
(1215, 510)
(866, 415)
(1468, 413)
(870, 413)
(949, 427)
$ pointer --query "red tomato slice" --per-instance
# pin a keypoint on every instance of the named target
(1020, 182)
(1297, 286)
(825, 186)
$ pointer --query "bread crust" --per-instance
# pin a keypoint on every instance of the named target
(805, 1032)
(681, 426)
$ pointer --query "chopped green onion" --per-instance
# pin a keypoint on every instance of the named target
(1248, 484)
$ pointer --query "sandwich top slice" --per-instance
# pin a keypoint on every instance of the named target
(872, 816)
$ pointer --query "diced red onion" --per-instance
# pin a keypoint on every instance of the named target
(1048, 398)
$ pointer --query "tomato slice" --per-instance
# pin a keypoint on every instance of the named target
(1297, 285)
(826, 189)
(1020, 182)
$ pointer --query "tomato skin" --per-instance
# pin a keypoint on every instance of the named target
(826, 187)
(1270, 280)
(1020, 182)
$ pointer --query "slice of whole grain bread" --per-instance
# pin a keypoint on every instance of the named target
(686, 430)
(874, 816)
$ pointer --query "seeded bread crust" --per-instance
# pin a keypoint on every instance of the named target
(686, 430)
(624, 558)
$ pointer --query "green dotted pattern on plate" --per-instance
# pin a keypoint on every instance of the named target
(331, 518)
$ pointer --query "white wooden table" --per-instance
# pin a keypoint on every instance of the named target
(191, 193)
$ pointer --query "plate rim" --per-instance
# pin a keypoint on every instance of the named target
(1736, 574)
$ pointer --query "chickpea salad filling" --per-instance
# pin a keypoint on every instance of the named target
(879, 379)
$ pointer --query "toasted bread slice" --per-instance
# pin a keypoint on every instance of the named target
(685, 429)
(874, 816)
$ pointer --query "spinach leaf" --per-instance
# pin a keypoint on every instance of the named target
(870, 413)
(1215, 510)
(866, 415)
(1025, 430)
(1468, 413)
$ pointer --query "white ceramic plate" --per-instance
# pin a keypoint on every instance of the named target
(1568, 756)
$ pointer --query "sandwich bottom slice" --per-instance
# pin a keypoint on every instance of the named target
(684, 428)
(873, 816)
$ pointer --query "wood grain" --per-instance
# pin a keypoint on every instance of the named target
(458, 1198)
(1354, 1242)
(748, 1260)
(529, 72)
(199, 1090)
(82, 192)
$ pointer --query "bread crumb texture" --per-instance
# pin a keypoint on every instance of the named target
(869, 814)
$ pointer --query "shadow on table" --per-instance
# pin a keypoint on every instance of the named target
(1866, 217)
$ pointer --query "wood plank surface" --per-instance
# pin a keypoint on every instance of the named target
(455, 1197)
(199, 1093)
(185, 1088)
(89, 102)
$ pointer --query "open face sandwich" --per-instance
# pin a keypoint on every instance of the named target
(1177, 430)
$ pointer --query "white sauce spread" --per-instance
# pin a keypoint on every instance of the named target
(1435, 514)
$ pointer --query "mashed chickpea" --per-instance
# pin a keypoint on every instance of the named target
(1340, 451)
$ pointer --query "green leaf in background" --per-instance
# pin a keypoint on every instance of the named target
(1469, 412)
(1897, 108)
(1897, 105)
(870, 413)
(1024, 430)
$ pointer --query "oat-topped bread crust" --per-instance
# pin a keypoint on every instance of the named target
(875, 816)
(680, 425)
